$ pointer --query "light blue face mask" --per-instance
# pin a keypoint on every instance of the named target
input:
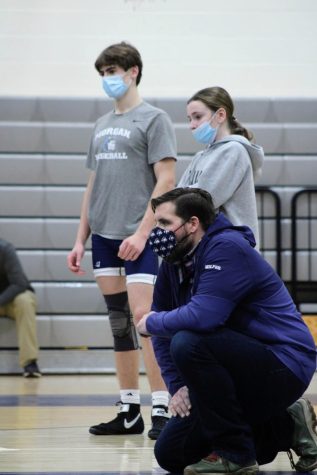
(205, 133)
(114, 86)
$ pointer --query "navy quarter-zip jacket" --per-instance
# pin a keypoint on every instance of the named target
(230, 285)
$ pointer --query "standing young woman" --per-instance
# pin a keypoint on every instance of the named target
(226, 168)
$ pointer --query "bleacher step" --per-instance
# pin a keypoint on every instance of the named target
(72, 361)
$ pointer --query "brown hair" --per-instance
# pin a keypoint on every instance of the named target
(120, 54)
(215, 98)
(189, 202)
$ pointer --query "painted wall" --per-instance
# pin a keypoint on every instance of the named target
(251, 47)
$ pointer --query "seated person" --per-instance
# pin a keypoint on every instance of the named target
(233, 349)
(18, 301)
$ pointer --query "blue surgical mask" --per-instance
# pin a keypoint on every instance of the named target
(114, 86)
(205, 133)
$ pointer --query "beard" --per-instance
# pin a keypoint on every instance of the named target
(180, 251)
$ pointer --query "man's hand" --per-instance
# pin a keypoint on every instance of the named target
(180, 404)
(74, 259)
(141, 325)
(131, 247)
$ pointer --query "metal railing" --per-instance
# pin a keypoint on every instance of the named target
(269, 209)
(303, 284)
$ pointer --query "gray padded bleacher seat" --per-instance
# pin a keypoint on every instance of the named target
(61, 109)
(59, 125)
(49, 137)
(43, 144)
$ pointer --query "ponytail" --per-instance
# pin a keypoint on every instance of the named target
(238, 129)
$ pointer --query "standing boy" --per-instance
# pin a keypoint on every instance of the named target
(132, 159)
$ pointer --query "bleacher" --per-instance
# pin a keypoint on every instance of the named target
(43, 144)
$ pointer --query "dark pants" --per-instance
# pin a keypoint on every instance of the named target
(239, 392)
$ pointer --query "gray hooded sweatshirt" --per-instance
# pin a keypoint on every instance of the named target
(227, 169)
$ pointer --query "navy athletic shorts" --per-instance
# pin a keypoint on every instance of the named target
(106, 262)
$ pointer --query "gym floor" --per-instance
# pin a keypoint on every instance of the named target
(44, 428)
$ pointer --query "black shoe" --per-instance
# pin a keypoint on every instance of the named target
(304, 441)
(128, 421)
(31, 370)
(159, 421)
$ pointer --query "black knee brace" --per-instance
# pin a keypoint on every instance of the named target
(121, 322)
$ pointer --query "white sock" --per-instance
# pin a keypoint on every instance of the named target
(130, 396)
(160, 398)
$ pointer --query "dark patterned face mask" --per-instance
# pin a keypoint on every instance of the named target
(164, 244)
(162, 241)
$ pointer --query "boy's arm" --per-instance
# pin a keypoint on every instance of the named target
(132, 246)
(75, 256)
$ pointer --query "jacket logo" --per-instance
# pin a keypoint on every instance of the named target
(212, 266)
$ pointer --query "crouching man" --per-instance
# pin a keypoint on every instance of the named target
(232, 348)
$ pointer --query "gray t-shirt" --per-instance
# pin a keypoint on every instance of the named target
(122, 152)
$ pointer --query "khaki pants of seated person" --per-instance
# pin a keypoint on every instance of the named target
(23, 310)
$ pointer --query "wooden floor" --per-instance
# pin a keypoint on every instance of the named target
(44, 428)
